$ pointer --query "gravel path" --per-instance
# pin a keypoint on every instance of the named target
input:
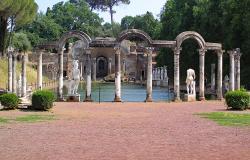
(126, 131)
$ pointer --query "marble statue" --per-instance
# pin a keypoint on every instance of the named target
(165, 73)
(74, 82)
(190, 81)
(226, 83)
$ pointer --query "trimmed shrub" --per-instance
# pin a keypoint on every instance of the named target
(238, 100)
(9, 101)
(43, 100)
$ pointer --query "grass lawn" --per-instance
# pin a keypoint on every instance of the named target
(228, 119)
(28, 119)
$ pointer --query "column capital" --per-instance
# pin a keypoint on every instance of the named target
(117, 49)
(237, 54)
(231, 53)
(94, 60)
(88, 51)
(202, 51)
(220, 52)
(177, 50)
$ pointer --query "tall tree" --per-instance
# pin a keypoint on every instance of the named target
(75, 15)
(13, 13)
(107, 5)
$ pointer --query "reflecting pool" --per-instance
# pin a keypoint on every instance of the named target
(105, 92)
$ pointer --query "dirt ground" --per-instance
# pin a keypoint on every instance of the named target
(124, 131)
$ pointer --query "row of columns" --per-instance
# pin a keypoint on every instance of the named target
(234, 80)
(201, 71)
(12, 80)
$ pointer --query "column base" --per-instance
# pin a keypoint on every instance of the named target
(177, 99)
(202, 98)
(88, 99)
(149, 99)
(117, 99)
(220, 99)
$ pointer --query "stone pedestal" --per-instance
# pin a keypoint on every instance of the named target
(189, 98)
(73, 98)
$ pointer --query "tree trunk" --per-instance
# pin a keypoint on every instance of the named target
(112, 18)
(3, 31)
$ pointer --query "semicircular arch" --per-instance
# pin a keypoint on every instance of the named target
(134, 33)
(74, 34)
(190, 35)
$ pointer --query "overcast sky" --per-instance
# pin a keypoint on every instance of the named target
(136, 7)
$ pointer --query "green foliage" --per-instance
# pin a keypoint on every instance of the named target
(105, 5)
(14, 13)
(21, 42)
(228, 119)
(43, 100)
(75, 16)
(224, 21)
(9, 101)
(238, 100)
(145, 22)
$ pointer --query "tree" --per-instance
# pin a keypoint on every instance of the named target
(145, 22)
(75, 15)
(223, 21)
(12, 14)
(21, 42)
(43, 28)
(107, 5)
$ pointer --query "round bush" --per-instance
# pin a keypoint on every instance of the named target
(238, 100)
(43, 100)
(9, 101)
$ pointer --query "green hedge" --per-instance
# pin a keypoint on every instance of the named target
(9, 101)
(238, 100)
(43, 100)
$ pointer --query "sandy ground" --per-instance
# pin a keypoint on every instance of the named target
(126, 131)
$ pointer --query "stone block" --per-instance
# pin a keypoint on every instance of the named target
(189, 98)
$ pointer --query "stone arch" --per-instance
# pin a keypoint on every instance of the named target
(190, 35)
(134, 33)
(73, 34)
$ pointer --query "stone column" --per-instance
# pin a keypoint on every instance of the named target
(40, 70)
(88, 76)
(60, 74)
(219, 76)
(69, 59)
(149, 76)
(238, 55)
(94, 69)
(232, 68)
(24, 76)
(202, 74)
(213, 77)
(177, 74)
(110, 66)
(117, 75)
(10, 58)
(14, 81)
